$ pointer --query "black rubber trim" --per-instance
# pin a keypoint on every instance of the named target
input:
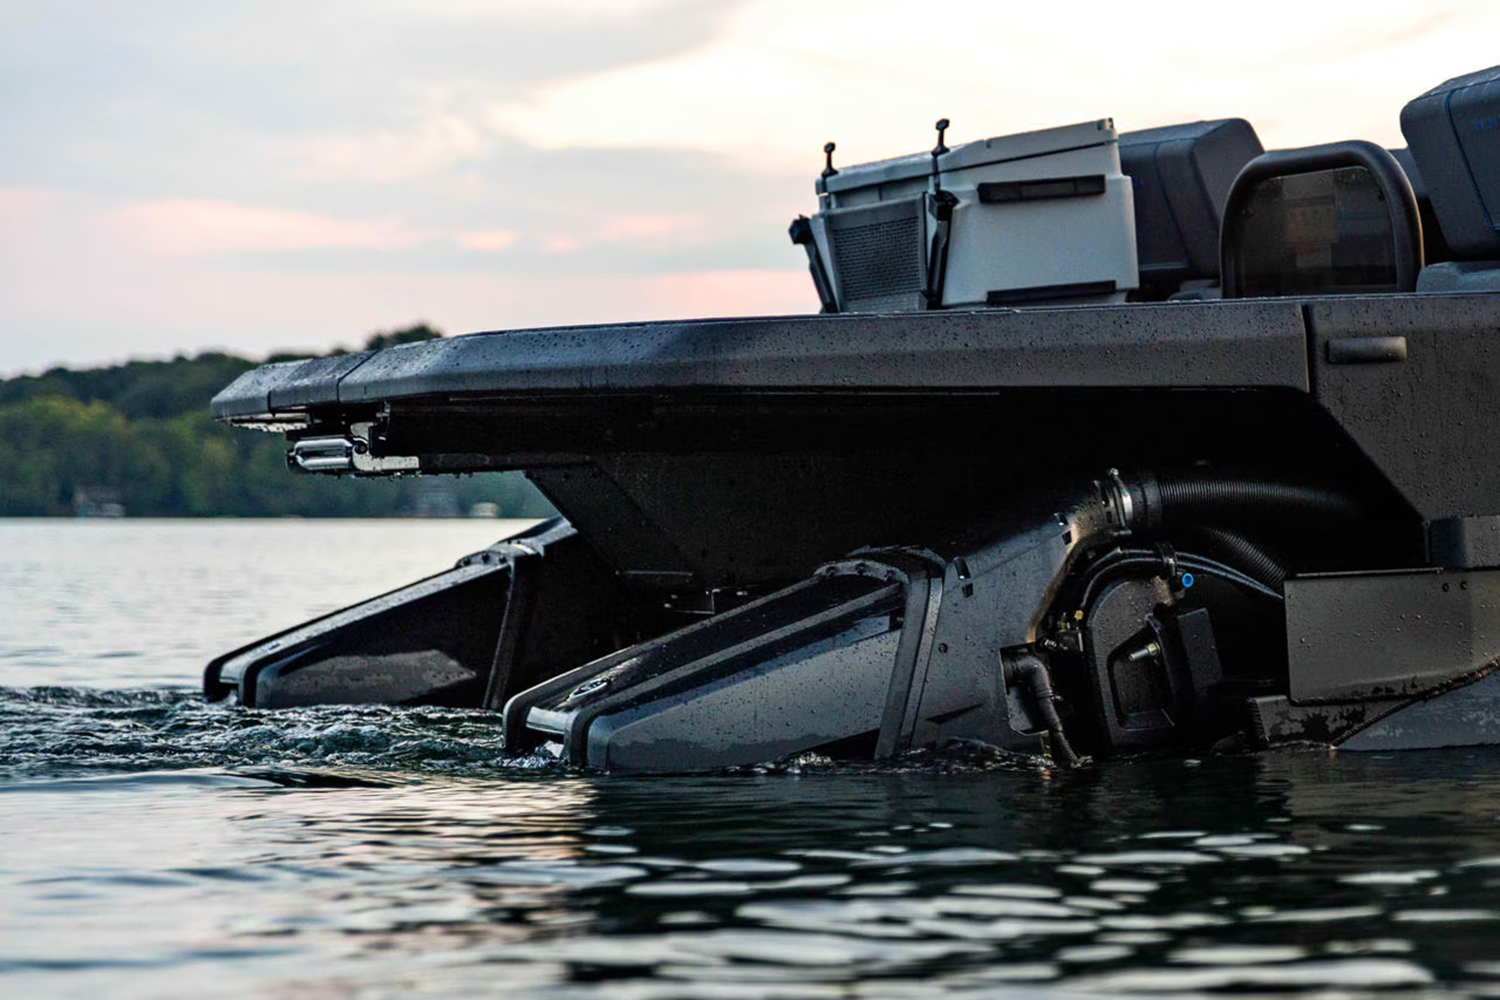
(1040, 189)
(1406, 223)
(1005, 296)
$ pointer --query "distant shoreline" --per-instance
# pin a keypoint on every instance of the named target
(136, 440)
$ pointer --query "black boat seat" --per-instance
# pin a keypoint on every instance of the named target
(1450, 132)
(1180, 177)
(1339, 218)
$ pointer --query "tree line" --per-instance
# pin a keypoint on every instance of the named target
(138, 436)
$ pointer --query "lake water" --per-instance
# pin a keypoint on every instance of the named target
(152, 846)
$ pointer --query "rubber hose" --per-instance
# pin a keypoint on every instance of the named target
(1029, 671)
(1251, 558)
(1195, 497)
(1120, 560)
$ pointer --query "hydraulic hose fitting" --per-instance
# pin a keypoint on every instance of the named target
(1136, 501)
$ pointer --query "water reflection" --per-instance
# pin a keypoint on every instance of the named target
(1301, 872)
(339, 853)
(152, 846)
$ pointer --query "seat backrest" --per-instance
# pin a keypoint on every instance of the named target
(1453, 132)
(1180, 177)
(1321, 220)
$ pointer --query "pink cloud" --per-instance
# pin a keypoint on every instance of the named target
(23, 209)
(628, 229)
(648, 227)
(559, 245)
(395, 157)
(261, 311)
(16, 200)
(487, 240)
(191, 227)
(733, 292)
(69, 259)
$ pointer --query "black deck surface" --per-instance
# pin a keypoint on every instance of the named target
(1251, 344)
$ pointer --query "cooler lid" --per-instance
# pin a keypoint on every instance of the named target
(979, 153)
(1025, 145)
(863, 175)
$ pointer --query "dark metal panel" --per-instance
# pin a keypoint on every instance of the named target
(751, 519)
(786, 673)
(788, 704)
(1388, 635)
(1429, 422)
(1469, 716)
(1469, 542)
(427, 643)
(285, 385)
(990, 598)
(629, 540)
(1275, 720)
(1178, 345)
(751, 492)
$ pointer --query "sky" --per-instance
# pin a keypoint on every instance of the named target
(264, 175)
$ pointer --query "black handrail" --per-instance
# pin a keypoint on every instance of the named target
(1406, 224)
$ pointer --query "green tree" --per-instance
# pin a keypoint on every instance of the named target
(52, 446)
(141, 430)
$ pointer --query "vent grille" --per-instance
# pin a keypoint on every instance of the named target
(881, 257)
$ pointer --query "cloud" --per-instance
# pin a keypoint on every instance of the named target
(197, 227)
(738, 292)
(25, 206)
(393, 157)
(556, 244)
(488, 240)
(265, 173)
(258, 312)
(124, 96)
(81, 279)
(874, 74)
(650, 227)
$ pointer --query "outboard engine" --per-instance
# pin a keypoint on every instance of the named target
(1024, 635)
(890, 649)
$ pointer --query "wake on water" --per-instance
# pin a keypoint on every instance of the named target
(48, 732)
(53, 732)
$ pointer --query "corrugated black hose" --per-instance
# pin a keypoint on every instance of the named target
(1237, 550)
(1203, 503)
(1180, 497)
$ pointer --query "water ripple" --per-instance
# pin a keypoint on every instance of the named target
(56, 730)
(369, 852)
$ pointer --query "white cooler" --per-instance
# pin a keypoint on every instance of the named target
(1042, 216)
